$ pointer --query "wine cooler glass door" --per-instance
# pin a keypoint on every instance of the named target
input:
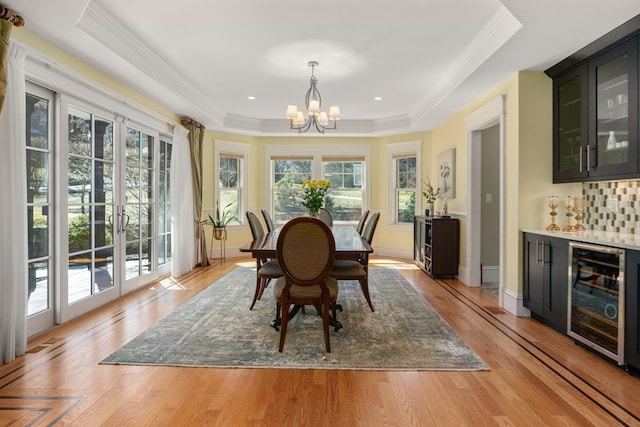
(596, 298)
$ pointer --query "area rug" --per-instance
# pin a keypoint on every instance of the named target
(217, 329)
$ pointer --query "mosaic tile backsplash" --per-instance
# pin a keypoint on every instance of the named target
(612, 206)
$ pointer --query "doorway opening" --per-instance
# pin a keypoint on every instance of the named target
(485, 237)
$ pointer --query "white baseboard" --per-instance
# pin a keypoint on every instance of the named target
(490, 274)
(513, 303)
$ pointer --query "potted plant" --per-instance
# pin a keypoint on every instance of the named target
(430, 194)
(220, 221)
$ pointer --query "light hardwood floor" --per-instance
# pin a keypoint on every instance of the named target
(537, 377)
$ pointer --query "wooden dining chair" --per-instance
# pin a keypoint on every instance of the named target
(325, 216)
(358, 269)
(305, 252)
(267, 220)
(266, 269)
(363, 219)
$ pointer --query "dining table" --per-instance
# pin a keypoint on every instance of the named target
(349, 245)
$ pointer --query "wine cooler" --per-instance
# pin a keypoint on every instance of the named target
(596, 298)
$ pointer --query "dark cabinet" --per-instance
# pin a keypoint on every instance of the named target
(632, 309)
(436, 245)
(595, 119)
(546, 279)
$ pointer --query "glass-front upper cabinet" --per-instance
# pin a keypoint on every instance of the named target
(595, 117)
(571, 109)
(613, 132)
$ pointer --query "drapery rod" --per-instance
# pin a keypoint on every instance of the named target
(8, 15)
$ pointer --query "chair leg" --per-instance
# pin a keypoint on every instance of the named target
(284, 318)
(257, 292)
(264, 285)
(325, 325)
(364, 285)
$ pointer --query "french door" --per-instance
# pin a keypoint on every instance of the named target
(93, 224)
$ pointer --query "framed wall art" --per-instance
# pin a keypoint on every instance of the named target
(447, 174)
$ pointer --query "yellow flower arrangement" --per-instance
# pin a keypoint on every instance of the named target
(313, 194)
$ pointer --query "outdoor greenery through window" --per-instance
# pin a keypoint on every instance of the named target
(230, 168)
(405, 187)
(288, 177)
(345, 198)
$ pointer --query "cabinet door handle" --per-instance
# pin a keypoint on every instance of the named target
(580, 161)
(540, 253)
(588, 157)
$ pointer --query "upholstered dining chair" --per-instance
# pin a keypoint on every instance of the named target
(325, 216)
(305, 252)
(267, 220)
(363, 219)
(358, 270)
(266, 269)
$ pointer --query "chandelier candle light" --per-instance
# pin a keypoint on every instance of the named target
(313, 102)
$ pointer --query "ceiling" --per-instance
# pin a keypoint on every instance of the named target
(425, 59)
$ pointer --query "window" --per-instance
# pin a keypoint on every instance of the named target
(344, 166)
(231, 172)
(346, 195)
(164, 205)
(288, 177)
(404, 164)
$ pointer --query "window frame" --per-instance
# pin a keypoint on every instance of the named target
(239, 150)
(393, 151)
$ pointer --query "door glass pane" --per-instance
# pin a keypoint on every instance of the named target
(132, 260)
(78, 228)
(613, 111)
(133, 147)
(104, 139)
(37, 176)
(103, 269)
(79, 276)
(139, 199)
(38, 274)
(570, 124)
(38, 231)
(79, 132)
(38, 204)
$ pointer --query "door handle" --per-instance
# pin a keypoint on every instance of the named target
(588, 157)
(580, 160)
(124, 219)
(540, 251)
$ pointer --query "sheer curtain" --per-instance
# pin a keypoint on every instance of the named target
(182, 203)
(13, 226)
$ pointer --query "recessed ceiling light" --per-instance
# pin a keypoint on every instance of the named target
(377, 98)
(251, 98)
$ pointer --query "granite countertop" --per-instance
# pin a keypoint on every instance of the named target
(606, 238)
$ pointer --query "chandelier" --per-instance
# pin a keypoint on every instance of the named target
(313, 101)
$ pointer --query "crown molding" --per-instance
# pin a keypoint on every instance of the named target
(99, 23)
(498, 30)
